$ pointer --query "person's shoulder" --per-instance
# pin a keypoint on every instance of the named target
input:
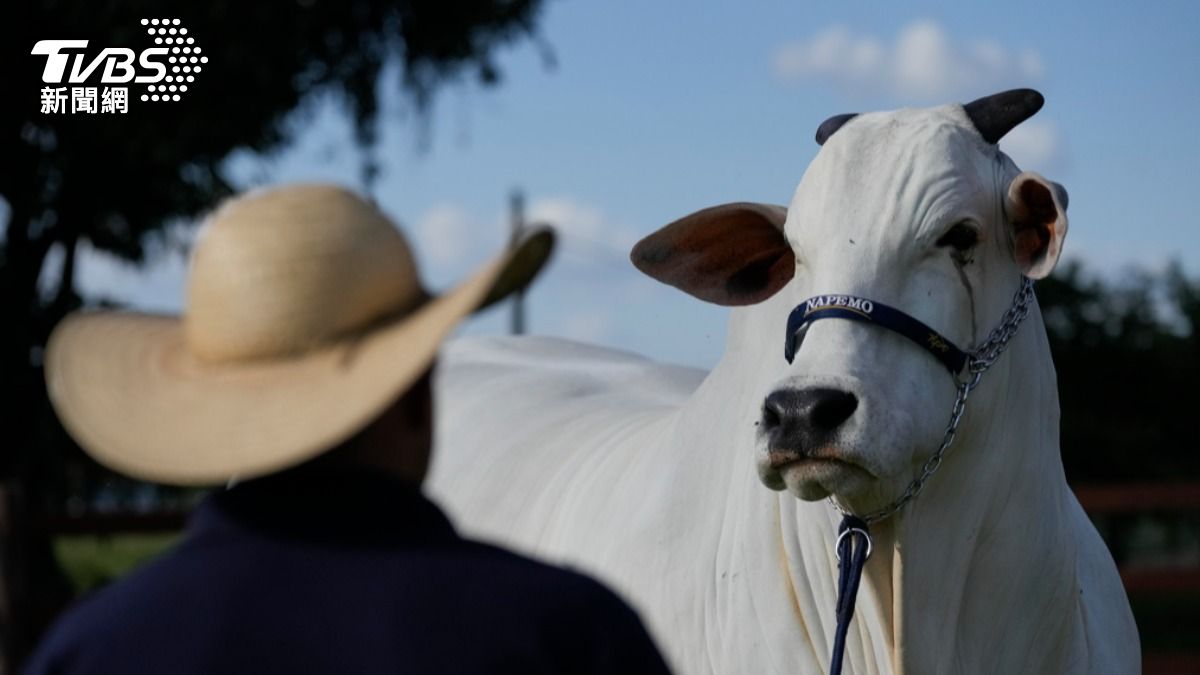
(67, 641)
(565, 583)
(590, 627)
(101, 619)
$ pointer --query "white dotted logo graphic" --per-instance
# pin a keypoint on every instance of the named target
(185, 59)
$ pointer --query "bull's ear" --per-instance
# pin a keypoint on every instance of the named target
(733, 254)
(1037, 215)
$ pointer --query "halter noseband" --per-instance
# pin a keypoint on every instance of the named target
(857, 308)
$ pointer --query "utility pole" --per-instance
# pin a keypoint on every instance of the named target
(517, 211)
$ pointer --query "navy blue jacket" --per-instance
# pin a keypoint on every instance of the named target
(347, 572)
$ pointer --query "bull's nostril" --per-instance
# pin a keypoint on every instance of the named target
(774, 409)
(803, 416)
(831, 408)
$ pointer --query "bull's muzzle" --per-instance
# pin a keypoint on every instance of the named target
(800, 422)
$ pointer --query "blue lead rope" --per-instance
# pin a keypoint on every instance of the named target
(854, 539)
(853, 549)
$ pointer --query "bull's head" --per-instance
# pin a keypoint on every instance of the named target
(917, 209)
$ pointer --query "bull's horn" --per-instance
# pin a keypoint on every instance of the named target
(996, 115)
(831, 125)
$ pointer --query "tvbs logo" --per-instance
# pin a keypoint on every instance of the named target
(166, 69)
(118, 63)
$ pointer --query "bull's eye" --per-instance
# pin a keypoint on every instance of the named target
(962, 238)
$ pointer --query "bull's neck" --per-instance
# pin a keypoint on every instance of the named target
(989, 544)
(980, 567)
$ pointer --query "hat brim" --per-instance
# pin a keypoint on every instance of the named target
(132, 395)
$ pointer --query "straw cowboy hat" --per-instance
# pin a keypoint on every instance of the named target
(305, 320)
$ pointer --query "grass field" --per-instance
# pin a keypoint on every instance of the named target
(91, 560)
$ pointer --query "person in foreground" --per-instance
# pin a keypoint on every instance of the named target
(299, 375)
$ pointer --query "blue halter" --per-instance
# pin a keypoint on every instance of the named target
(858, 308)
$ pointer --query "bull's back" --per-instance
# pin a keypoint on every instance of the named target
(550, 445)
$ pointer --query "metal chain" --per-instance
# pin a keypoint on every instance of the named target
(978, 361)
(986, 354)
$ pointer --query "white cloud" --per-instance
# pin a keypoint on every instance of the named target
(451, 239)
(446, 235)
(158, 285)
(1035, 144)
(585, 232)
(921, 64)
(569, 216)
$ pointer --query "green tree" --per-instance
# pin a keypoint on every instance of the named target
(118, 180)
(1127, 352)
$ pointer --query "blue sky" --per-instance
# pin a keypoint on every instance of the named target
(658, 109)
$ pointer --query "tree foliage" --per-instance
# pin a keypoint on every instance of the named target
(1127, 352)
(117, 180)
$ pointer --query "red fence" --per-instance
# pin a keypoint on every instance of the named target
(1155, 585)
(1139, 497)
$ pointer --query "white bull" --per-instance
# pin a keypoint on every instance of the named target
(651, 476)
